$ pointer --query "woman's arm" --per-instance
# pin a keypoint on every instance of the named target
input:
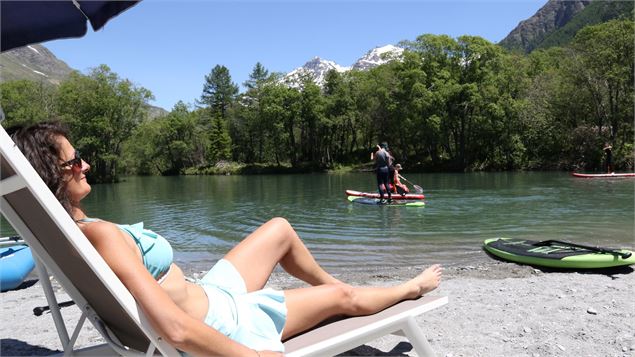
(169, 320)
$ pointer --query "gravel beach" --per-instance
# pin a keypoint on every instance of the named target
(494, 309)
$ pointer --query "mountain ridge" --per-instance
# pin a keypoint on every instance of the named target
(557, 22)
(594, 13)
(553, 24)
(550, 17)
(37, 63)
(317, 67)
(33, 62)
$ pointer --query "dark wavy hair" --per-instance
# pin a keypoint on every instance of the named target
(39, 144)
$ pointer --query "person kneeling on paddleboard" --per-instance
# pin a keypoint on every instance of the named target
(399, 187)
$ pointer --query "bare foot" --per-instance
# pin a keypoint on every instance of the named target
(425, 282)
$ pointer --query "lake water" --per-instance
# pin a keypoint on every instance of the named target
(204, 216)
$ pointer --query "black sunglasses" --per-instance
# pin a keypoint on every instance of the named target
(74, 162)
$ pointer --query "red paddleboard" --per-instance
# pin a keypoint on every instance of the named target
(407, 196)
(611, 175)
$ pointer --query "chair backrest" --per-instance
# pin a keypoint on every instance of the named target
(37, 216)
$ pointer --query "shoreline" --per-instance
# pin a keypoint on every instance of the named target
(494, 309)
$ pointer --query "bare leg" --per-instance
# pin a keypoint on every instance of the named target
(309, 306)
(272, 243)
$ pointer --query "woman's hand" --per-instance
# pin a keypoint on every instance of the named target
(269, 354)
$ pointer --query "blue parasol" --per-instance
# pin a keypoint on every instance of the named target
(27, 22)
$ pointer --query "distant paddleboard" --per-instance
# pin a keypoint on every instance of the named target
(377, 202)
(557, 254)
(611, 175)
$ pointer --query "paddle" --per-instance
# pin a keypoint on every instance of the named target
(417, 187)
(588, 247)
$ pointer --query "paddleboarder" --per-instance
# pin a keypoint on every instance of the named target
(399, 187)
(383, 161)
(609, 157)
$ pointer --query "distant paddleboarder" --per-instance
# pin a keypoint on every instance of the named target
(609, 157)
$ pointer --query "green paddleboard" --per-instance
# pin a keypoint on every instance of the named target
(557, 254)
(377, 202)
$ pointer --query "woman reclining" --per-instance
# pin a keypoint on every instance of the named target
(228, 312)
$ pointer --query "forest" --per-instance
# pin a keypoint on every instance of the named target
(448, 105)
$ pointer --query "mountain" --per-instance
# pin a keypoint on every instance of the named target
(378, 56)
(595, 13)
(554, 15)
(35, 63)
(317, 68)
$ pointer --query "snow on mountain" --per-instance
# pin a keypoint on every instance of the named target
(378, 56)
(317, 67)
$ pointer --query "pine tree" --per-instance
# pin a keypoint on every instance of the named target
(257, 77)
(220, 142)
(219, 91)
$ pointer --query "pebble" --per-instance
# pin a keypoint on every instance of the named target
(592, 311)
(527, 329)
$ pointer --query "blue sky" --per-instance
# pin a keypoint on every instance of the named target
(169, 46)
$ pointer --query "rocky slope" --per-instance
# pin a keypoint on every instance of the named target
(35, 63)
(553, 15)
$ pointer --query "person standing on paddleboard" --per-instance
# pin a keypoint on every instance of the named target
(383, 161)
(609, 157)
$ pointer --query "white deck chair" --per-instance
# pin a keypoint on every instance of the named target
(60, 247)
